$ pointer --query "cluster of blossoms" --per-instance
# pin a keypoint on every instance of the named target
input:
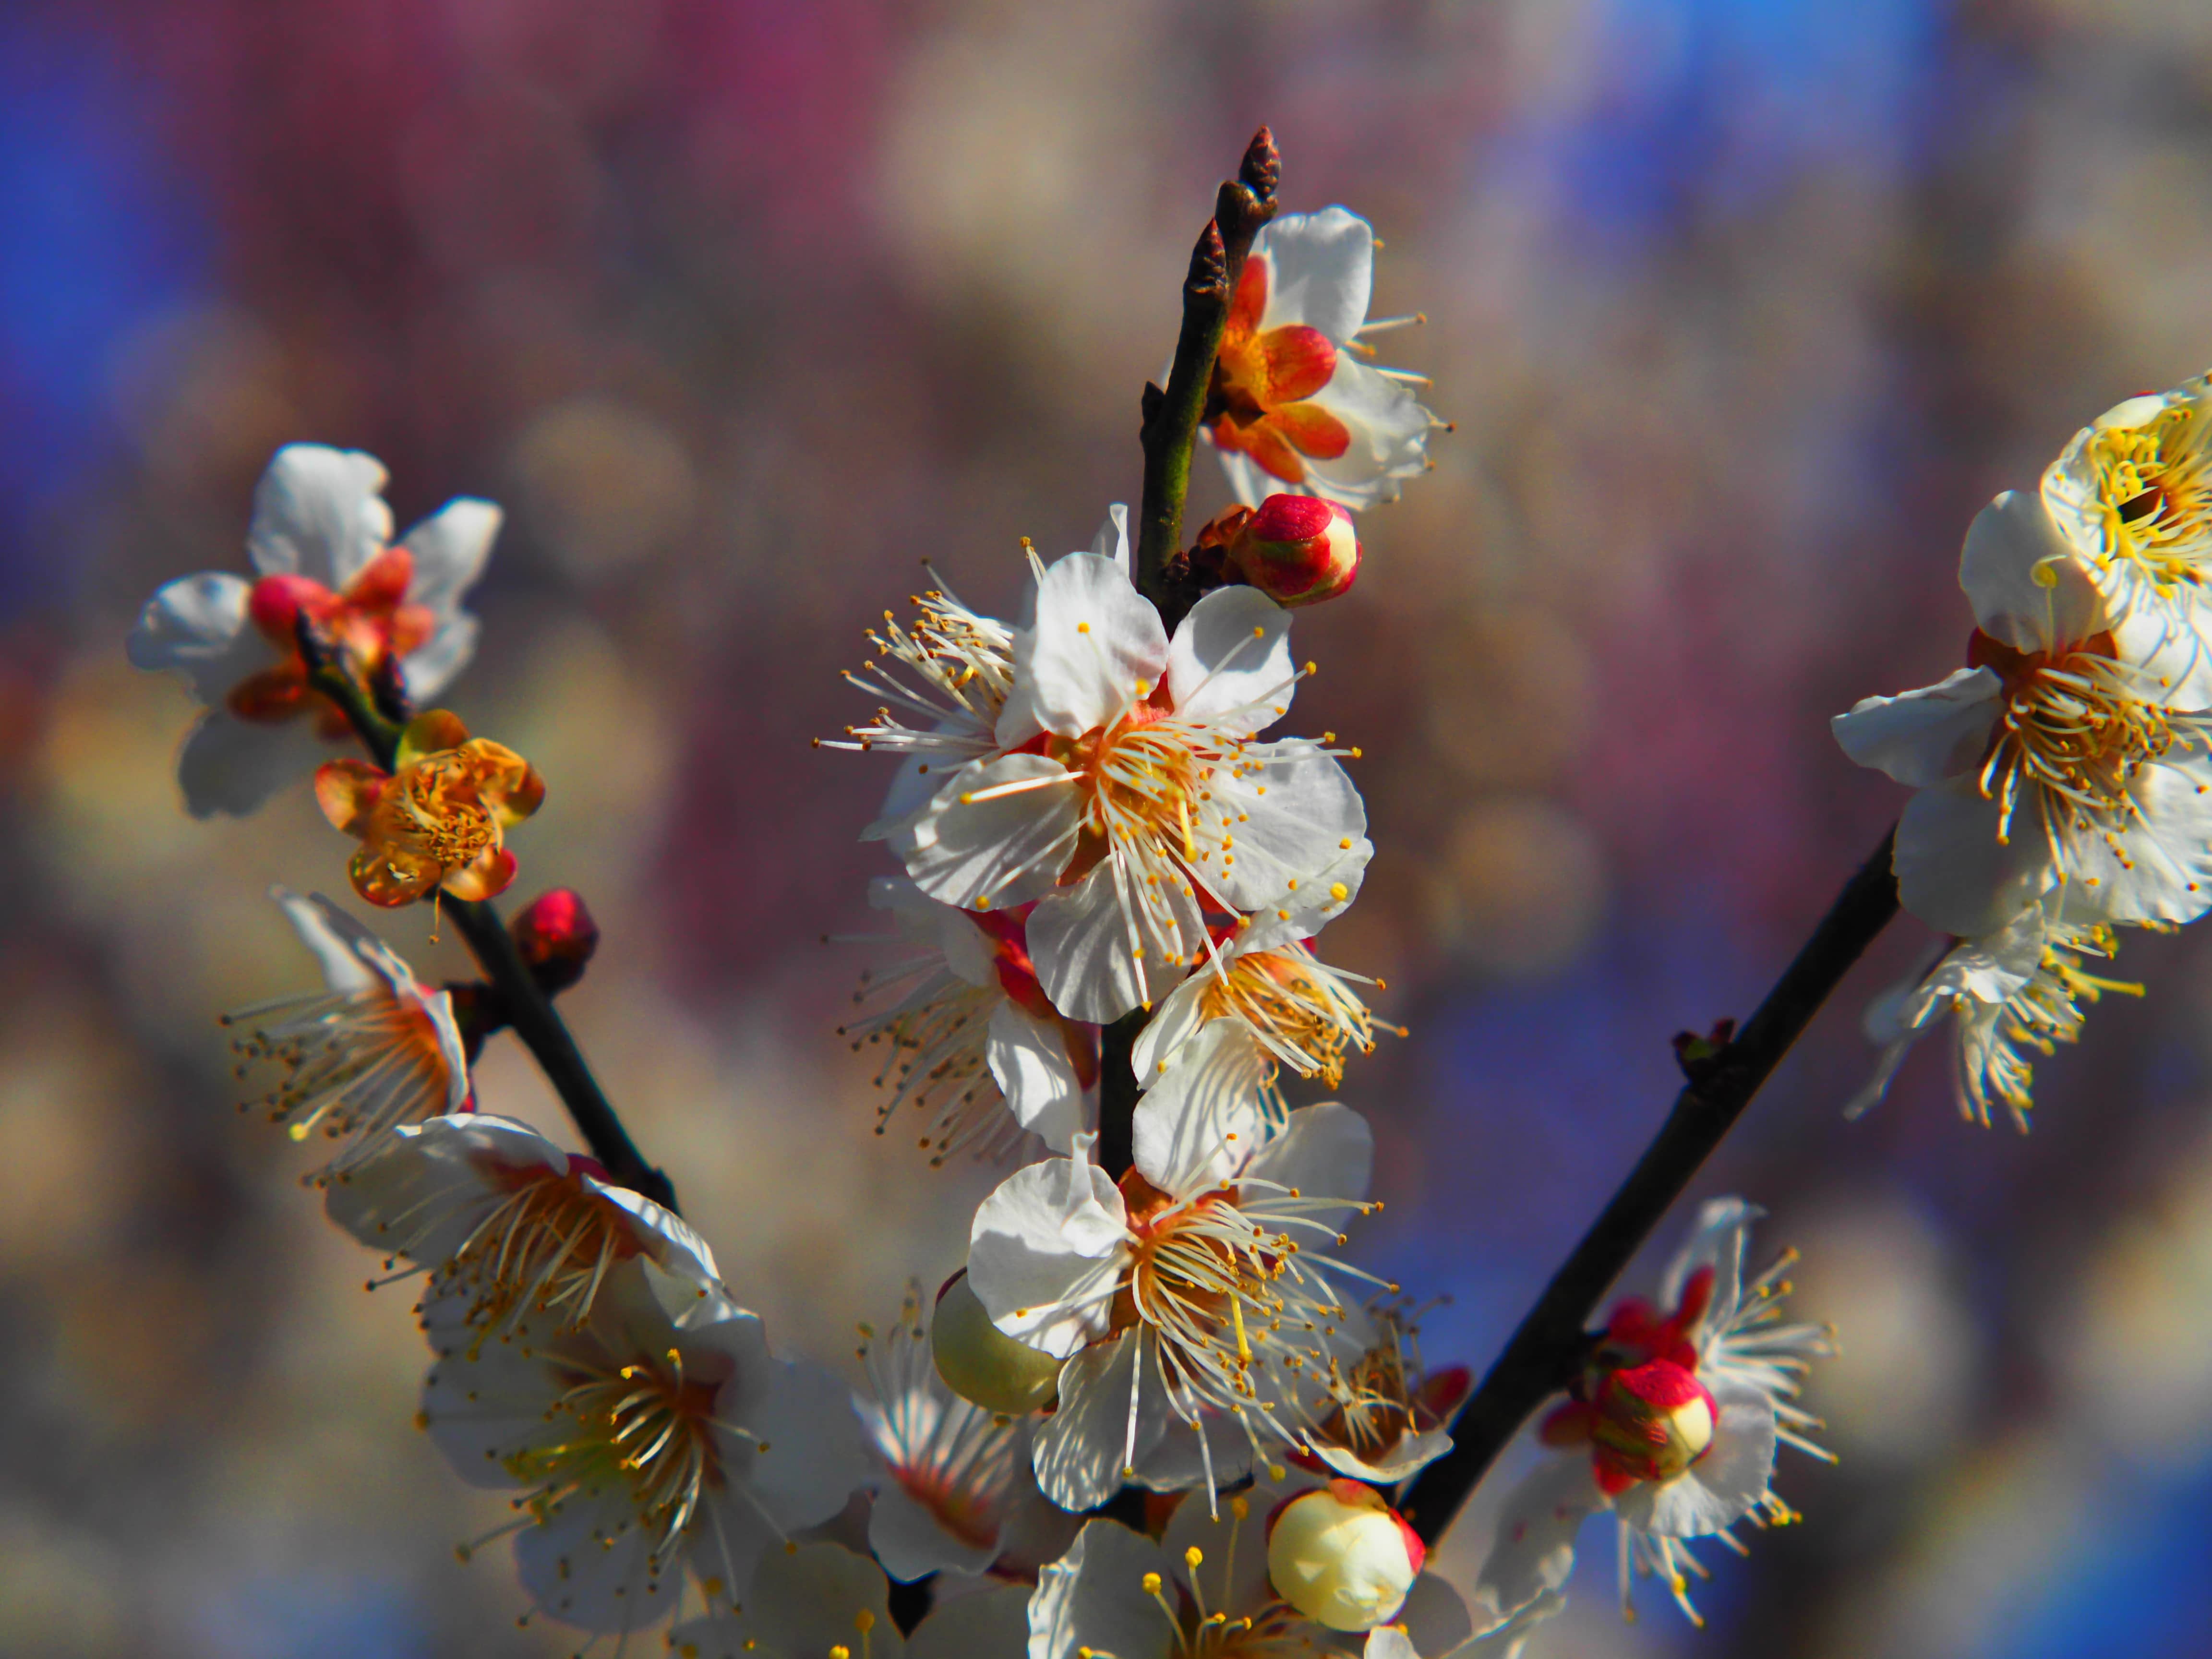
(2062, 775)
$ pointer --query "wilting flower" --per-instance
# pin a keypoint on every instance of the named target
(1341, 1556)
(1383, 1413)
(974, 1042)
(823, 1601)
(2070, 754)
(659, 1434)
(1131, 794)
(372, 1050)
(1298, 1011)
(1674, 1424)
(509, 1225)
(319, 546)
(1291, 404)
(1204, 1590)
(436, 821)
(952, 1477)
(2023, 987)
(1179, 1294)
(2133, 490)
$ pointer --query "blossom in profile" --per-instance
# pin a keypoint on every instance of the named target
(509, 1226)
(974, 1042)
(2071, 753)
(437, 821)
(659, 1435)
(320, 547)
(1175, 1296)
(820, 1601)
(371, 1051)
(1260, 976)
(1292, 405)
(953, 1479)
(1673, 1425)
(1382, 1414)
(2133, 491)
(2025, 987)
(1131, 794)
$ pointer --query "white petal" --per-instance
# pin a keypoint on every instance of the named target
(803, 1603)
(1049, 1236)
(1327, 1152)
(1721, 1487)
(1535, 1549)
(1434, 1618)
(992, 1624)
(1229, 662)
(1085, 1600)
(1174, 1024)
(939, 927)
(319, 513)
(1097, 646)
(814, 1459)
(1951, 872)
(581, 1571)
(431, 666)
(1086, 1448)
(2028, 587)
(449, 549)
(1298, 812)
(332, 936)
(1028, 1061)
(996, 852)
(1408, 1457)
(1920, 737)
(1112, 542)
(230, 765)
(197, 626)
(1205, 1119)
(424, 1183)
(1390, 430)
(1320, 270)
(1717, 1240)
(1247, 482)
(908, 1540)
(2161, 871)
(1080, 941)
(1181, 1463)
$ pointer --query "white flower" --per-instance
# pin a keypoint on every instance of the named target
(2020, 987)
(511, 1227)
(1674, 1425)
(1291, 407)
(952, 1477)
(1381, 1414)
(822, 1602)
(974, 1042)
(321, 545)
(2072, 755)
(659, 1434)
(1299, 1011)
(2133, 490)
(1179, 1295)
(1131, 794)
(371, 1051)
(1204, 1590)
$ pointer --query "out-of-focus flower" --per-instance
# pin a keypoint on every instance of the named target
(320, 547)
(372, 1050)
(2071, 753)
(511, 1227)
(1674, 1424)
(981, 1363)
(558, 937)
(436, 821)
(1341, 1556)
(817, 1600)
(951, 1476)
(1177, 1294)
(658, 1433)
(975, 1043)
(1291, 404)
(1130, 794)
(1383, 1416)
(1205, 1590)
(2023, 987)
(2133, 490)
(1297, 550)
(1299, 1011)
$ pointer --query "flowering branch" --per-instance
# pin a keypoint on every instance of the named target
(523, 1003)
(1551, 1344)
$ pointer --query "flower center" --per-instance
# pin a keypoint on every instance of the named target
(435, 810)
(2154, 484)
(1305, 1015)
(355, 1063)
(1374, 1406)
(543, 1249)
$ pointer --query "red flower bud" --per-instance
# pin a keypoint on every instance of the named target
(1297, 550)
(556, 937)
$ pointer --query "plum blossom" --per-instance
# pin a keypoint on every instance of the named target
(372, 1050)
(1294, 1009)
(2023, 987)
(321, 546)
(2132, 491)
(974, 1043)
(1176, 1297)
(657, 1436)
(1291, 406)
(2071, 754)
(1382, 1413)
(1674, 1425)
(821, 1599)
(1130, 793)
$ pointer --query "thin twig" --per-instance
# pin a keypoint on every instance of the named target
(1551, 1343)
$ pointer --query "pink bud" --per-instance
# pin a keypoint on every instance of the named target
(1297, 550)
(556, 937)
(1651, 1422)
(1342, 1557)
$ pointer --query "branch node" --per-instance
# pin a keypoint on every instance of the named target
(1699, 1057)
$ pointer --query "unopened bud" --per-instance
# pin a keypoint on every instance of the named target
(1343, 1557)
(556, 937)
(1652, 1421)
(981, 1363)
(1297, 550)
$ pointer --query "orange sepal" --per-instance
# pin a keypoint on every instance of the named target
(486, 876)
(1251, 301)
(1312, 428)
(347, 791)
(391, 877)
(381, 584)
(270, 696)
(429, 731)
(1300, 361)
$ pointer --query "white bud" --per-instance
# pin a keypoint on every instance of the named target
(1342, 1557)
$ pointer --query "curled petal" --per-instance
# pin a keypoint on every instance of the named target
(429, 731)
(486, 876)
(391, 876)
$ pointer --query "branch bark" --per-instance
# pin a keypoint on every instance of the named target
(1551, 1341)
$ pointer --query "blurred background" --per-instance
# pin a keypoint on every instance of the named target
(1742, 309)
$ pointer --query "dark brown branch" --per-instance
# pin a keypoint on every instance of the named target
(1549, 1344)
